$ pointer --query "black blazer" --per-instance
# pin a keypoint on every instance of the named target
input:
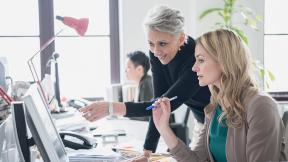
(174, 79)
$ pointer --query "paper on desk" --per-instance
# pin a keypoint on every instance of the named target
(93, 154)
(76, 122)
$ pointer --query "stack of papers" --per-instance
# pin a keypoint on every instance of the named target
(73, 123)
(94, 155)
(94, 158)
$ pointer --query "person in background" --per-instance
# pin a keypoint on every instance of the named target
(171, 54)
(242, 123)
(137, 67)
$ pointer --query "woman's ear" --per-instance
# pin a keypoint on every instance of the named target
(182, 39)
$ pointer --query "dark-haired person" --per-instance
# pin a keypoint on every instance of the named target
(137, 67)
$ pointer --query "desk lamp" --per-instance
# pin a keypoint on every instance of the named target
(80, 25)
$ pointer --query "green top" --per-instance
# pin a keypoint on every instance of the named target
(217, 137)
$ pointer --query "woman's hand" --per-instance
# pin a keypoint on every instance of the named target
(141, 158)
(161, 114)
(95, 111)
(147, 153)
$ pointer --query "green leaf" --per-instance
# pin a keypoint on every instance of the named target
(259, 18)
(209, 11)
(261, 73)
(271, 75)
(241, 34)
(252, 23)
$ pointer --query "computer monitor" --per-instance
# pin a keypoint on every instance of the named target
(19, 127)
(42, 127)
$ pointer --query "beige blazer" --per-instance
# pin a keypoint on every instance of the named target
(260, 139)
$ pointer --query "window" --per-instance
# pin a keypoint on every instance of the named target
(19, 36)
(275, 43)
(84, 62)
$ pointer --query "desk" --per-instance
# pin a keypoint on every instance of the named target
(135, 133)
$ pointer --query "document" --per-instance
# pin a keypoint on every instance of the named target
(94, 155)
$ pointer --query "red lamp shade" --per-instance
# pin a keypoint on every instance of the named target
(80, 25)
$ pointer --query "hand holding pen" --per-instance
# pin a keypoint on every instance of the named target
(153, 105)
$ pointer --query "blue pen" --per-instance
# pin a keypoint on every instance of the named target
(153, 106)
(154, 99)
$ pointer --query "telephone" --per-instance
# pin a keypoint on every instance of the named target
(76, 141)
(78, 103)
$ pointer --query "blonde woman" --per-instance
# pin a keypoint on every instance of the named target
(241, 122)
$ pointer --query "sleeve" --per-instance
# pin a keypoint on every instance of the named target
(182, 153)
(137, 109)
(152, 137)
(263, 144)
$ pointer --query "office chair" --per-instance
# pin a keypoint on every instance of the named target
(285, 119)
(181, 129)
(284, 153)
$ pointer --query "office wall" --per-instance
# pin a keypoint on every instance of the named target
(133, 12)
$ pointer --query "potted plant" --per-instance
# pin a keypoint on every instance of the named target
(249, 18)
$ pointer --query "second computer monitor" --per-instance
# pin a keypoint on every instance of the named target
(42, 127)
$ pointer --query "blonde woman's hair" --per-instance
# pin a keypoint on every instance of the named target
(236, 82)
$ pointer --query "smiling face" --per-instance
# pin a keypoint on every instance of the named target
(164, 45)
(207, 69)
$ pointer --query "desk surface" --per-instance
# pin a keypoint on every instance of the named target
(134, 138)
(135, 132)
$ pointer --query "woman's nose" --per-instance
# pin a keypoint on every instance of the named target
(194, 68)
(156, 51)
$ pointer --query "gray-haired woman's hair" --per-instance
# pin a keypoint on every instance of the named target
(164, 19)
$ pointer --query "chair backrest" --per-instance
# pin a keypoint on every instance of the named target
(284, 153)
(285, 119)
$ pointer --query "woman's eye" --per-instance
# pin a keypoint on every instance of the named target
(200, 60)
(163, 44)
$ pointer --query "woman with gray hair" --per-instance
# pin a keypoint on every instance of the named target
(171, 57)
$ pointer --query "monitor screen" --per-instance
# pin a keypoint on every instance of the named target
(42, 127)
